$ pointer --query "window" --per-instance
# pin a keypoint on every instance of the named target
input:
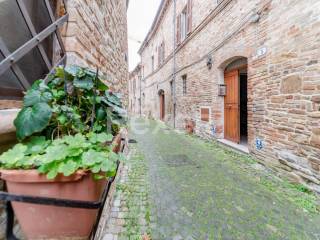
(161, 54)
(143, 99)
(142, 72)
(21, 22)
(134, 87)
(184, 23)
(152, 63)
(184, 85)
(171, 87)
(205, 114)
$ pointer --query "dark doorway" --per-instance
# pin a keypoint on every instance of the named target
(235, 102)
(243, 107)
(162, 104)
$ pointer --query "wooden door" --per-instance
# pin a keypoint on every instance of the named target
(232, 107)
(162, 107)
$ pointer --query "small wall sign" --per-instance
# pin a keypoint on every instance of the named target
(259, 144)
(222, 90)
(261, 51)
(213, 129)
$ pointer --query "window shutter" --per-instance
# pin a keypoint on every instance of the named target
(189, 17)
(205, 114)
(178, 29)
(159, 56)
(163, 52)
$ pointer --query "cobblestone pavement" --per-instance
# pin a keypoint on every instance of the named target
(181, 187)
(130, 214)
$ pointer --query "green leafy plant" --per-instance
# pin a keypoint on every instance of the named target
(75, 100)
(65, 155)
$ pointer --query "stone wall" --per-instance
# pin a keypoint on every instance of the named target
(96, 36)
(134, 90)
(282, 52)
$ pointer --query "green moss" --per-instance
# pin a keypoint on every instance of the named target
(203, 190)
(134, 191)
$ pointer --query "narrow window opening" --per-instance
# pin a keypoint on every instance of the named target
(184, 85)
(183, 24)
(152, 63)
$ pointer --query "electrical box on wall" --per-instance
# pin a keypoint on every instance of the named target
(222, 90)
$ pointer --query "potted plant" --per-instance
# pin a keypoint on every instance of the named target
(63, 128)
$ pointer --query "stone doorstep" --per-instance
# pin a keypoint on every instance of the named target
(234, 146)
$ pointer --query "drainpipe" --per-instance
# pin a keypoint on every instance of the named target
(140, 82)
(174, 61)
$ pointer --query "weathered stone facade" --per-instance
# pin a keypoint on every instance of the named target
(134, 84)
(96, 36)
(280, 42)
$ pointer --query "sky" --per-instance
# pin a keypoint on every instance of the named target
(140, 17)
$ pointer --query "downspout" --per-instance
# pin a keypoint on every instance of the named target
(140, 83)
(174, 61)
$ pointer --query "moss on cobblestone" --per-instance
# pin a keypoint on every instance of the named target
(296, 193)
(135, 198)
(201, 190)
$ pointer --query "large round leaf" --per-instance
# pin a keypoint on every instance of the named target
(35, 96)
(33, 119)
(85, 83)
(72, 70)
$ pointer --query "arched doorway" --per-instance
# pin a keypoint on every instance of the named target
(162, 104)
(235, 102)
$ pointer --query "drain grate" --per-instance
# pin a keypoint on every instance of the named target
(178, 160)
(132, 141)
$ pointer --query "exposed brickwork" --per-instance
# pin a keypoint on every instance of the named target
(283, 76)
(96, 36)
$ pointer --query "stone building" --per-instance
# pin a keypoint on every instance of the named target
(134, 85)
(246, 73)
(95, 35)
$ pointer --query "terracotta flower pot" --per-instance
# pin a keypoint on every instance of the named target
(50, 222)
(190, 126)
(117, 143)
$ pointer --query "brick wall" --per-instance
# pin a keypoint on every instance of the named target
(134, 90)
(282, 52)
(96, 36)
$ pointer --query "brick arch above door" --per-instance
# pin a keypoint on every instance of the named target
(227, 60)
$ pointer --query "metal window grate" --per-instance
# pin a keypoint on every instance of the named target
(29, 40)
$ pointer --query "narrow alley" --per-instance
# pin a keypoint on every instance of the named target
(200, 190)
